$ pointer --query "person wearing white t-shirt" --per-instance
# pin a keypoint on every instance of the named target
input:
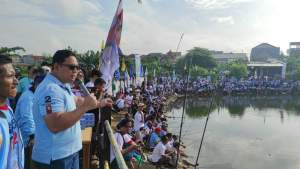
(122, 137)
(159, 154)
(169, 145)
(139, 120)
(128, 102)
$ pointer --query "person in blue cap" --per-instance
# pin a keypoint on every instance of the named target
(11, 146)
(24, 118)
(57, 112)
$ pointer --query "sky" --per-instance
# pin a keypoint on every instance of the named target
(44, 26)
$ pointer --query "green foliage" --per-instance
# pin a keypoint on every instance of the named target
(293, 68)
(48, 57)
(198, 71)
(197, 57)
(161, 64)
(11, 51)
(89, 60)
(238, 70)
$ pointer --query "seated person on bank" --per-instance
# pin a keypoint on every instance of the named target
(122, 137)
(120, 103)
(154, 138)
(159, 154)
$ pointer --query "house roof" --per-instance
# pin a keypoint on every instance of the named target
(295, 43)
(263, 45)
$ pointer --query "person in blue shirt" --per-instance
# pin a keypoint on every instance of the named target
(57, 112)
(154, 138)
(11, 146)
(24, 118)
(26, 82)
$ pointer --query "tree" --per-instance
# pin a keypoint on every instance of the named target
(198, 71)
(88, 60)
(11, 51)
(158, 62)
(238, 70)
(197, 57)
(293, 68)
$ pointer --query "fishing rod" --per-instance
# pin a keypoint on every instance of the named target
(183, 110)
(205, 126)
(181, 37)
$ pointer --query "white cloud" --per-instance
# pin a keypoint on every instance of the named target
(67, 8)
(214, 4)
(226, 20)
(45, 26)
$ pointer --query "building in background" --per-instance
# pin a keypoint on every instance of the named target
(267, 70)
(33, 59)
(294, 50)
(17, 60)
(222, 57)
(263, 52)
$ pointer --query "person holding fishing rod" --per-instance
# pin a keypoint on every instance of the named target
(128, 147)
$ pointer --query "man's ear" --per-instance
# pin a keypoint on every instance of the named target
(55, 66)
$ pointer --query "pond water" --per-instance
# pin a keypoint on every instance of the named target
(242, 132)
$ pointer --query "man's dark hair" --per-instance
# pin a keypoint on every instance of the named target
(37, 80)
(61, 55)
(99, 81)
(169, 135)
(45, 64)
(164, 138)
(4, 59)
(96, 72)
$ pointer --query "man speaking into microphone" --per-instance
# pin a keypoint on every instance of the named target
(57, 113)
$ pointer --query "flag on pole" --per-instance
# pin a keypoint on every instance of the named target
(174, 76)
(146, 72)
(123, 66)
(146, 75)
(117, 74)
(154, 73)
(111, 53)
(141, 71)
(126, 75)
(130, 71)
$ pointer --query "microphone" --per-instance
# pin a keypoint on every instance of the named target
(82, 87)
(86, 91)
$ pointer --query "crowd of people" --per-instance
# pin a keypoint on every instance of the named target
(145, 127)
(231, 86)
(41, 113)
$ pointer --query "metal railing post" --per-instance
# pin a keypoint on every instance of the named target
(116, 149)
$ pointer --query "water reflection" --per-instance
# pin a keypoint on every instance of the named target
(236, 106)
(243, 132)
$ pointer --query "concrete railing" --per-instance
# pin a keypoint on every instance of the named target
(115, 146)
